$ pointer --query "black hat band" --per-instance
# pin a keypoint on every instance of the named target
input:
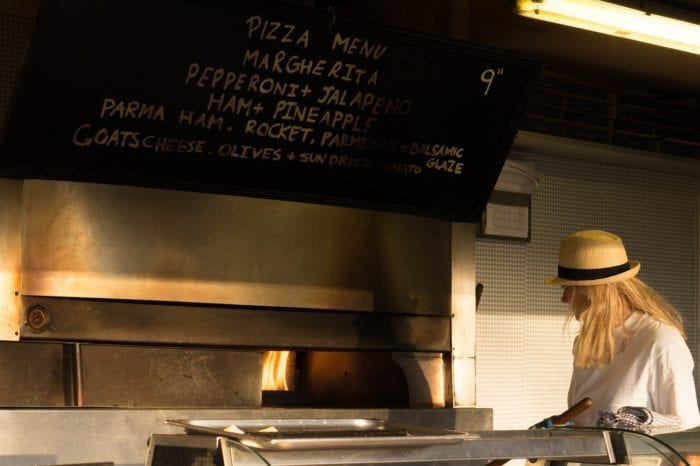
(592, 274)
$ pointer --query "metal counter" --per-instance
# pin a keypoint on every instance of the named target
(206, 444)
(592, 446)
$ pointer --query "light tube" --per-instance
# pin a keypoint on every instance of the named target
(615, 20)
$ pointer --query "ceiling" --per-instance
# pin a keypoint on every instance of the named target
(578, 54)
(590, 56)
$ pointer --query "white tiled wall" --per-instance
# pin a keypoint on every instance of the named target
(523, 344)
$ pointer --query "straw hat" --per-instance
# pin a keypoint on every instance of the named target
(593, 257)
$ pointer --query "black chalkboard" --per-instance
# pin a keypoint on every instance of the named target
(263, 99)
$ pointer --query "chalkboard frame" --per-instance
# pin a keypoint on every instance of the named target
(16, 134)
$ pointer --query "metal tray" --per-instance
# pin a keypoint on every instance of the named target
(304, 434)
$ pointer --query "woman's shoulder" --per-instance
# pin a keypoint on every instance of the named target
(655, 333)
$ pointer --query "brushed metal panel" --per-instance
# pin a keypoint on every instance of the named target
(148, 377)
(463, 315)
(10, 257)
(120, 242)
(95, 320)
(33, 375)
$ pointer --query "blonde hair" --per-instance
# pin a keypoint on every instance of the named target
(605, 309)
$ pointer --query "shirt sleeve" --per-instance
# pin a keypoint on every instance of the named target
(673, 386)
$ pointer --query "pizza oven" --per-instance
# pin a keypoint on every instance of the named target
(139, 304)
(344, 307)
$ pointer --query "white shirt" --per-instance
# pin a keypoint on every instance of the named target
(653, 370)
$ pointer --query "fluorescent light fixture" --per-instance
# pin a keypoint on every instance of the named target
(616, 20)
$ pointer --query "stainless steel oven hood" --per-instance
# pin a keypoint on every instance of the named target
(106, 242)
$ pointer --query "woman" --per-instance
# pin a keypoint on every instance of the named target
(630, 350)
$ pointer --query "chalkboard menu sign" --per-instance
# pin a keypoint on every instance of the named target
(263, 99)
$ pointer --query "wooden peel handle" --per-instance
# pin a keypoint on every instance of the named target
(572, 412)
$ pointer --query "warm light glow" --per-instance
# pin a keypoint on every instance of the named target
(616, 20)
(274, 375)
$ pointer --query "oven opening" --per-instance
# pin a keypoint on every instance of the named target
(352, 379)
